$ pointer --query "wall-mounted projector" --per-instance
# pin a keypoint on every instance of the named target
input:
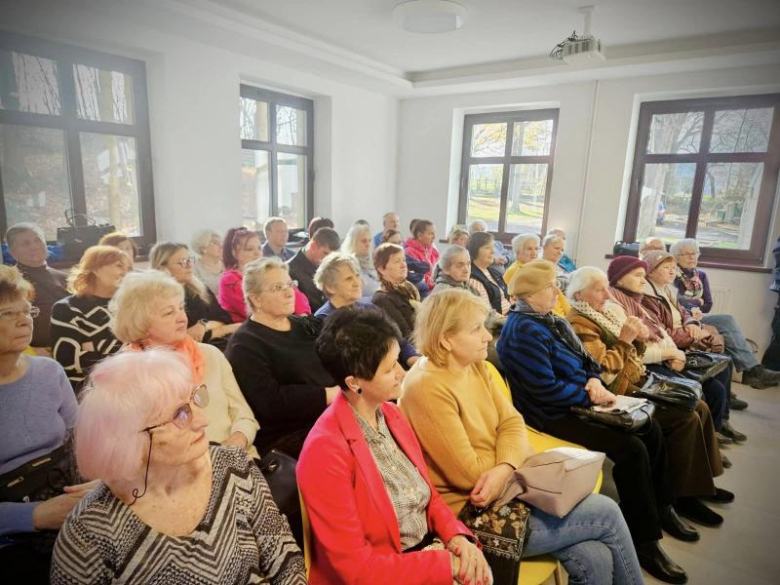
(579, 48)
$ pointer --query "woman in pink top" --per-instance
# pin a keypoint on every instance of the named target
(421, 247)
(242, 246)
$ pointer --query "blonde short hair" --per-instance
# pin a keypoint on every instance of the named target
(13, 286)
(443, 314)
(202, 238)
(131, 304)
(255, 272)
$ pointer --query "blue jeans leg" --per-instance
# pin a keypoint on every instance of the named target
(592, 542)
(736, 344)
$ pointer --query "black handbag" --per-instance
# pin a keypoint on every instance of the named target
(501, 530)
(681, 392)
(631, 422)
(278, 469)
(703, 365)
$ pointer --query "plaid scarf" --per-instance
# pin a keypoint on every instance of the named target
(694, 289)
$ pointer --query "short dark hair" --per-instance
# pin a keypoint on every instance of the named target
(477, 240)
(384, 252)
(412, 224)
(234, 238)
(320, 222)
(420, 226)
(387, 234)
(354, 341)
(327, 238)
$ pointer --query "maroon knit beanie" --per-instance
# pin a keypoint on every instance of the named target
(622, 265)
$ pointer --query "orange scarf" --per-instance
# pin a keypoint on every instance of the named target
(188, 347)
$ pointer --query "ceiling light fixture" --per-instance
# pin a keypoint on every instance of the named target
(429, 16)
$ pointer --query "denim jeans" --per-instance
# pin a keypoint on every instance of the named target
(736, 345)
(592, 542)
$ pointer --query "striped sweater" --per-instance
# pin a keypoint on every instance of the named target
(545, 376)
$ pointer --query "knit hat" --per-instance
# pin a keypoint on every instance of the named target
(622, 265)
(532, 277)
(654, 258)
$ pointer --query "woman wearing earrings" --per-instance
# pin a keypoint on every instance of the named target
(170, 509)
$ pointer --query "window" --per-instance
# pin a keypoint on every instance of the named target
(277, 176)
(707, 169)
(74, 138)
(506, 170)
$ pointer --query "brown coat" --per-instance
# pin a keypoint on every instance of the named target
(616, 357)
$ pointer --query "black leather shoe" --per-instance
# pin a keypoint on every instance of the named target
(732, 433)
(759, 377)
(693, 509)
(724, 440)
(721, 497)
(737, 404)
(674, 526)
(725, 461)
(655, 561)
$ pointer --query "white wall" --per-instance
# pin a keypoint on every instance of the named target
(193, 100)
(592, 162)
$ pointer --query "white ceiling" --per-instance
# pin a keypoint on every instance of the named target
(501, 30)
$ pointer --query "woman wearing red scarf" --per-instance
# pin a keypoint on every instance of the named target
(148, 311)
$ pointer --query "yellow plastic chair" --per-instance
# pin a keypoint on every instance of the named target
(306, 536)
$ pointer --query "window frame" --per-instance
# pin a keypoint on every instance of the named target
(507, 160)
(755, 256)
(66, 56)
(274, 99)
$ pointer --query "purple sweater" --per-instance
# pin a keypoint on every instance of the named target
(703, 300)
(38, 411)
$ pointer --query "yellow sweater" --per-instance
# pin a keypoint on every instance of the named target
(464, 424)
(561, 308)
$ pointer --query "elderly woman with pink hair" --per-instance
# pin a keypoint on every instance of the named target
(165, 492)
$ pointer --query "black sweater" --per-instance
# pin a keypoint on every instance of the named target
(280, 376)
(76, 320)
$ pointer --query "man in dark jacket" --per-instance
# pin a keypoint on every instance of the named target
(304, 264)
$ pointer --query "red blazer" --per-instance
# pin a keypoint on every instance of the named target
(355, 532)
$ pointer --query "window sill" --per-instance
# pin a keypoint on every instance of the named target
(723, 266)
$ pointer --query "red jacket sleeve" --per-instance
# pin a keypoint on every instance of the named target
(231, 296)
(327, 480)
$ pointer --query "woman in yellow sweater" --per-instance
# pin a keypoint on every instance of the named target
(473, 440)
(526, 249)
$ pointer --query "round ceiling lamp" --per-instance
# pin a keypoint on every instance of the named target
(429, 16)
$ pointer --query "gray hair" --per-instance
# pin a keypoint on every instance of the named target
(645, 246)
(476, 224)
(448, 256)
(254, 274)
(557, 232)
(583, 278)
(271, 221)
(130, 306)
(20, 228)
(552, 239)
(685, 244)
(328, 271)
(519, 241)
(201, 239)
(349, 245)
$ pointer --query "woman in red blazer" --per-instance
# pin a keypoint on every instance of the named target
(350, 486)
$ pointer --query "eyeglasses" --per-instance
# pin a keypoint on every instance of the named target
(183, 415)
(185, 262)
(279, 287)
(688, 254)
(11, 315)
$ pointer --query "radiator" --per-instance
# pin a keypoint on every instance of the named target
(721, 300)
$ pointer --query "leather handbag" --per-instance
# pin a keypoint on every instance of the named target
(556, 480)
(501, 530)
(634, 421)
(703, 365)
(278, 469)
(680, 392)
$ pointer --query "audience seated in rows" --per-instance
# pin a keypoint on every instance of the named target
(207, 321)
(485, 277)
(695, 295)
(338, 277)
(613, 340)
(27, 244)
(165, 493)
(397, 297)
(38, 413)
(501, 256)
(474, 440)
(148, 311)
(549, 371)
(80, 332)
(273, 359)
(390, 221)
(375, 514)
(124, 243)
(207, 247)
(421, 247)
(304, 264)
(276, 236)
(357, 243)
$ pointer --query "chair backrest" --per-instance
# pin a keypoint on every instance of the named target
(306, 536)
(498, 379)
